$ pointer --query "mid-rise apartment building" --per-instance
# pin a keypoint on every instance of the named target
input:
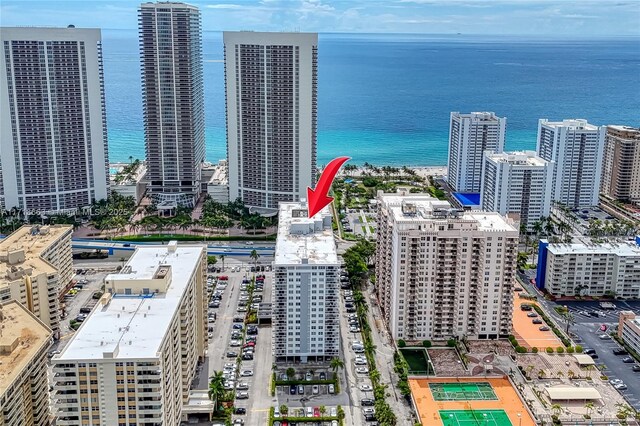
(173, 99)
(36, 270)
(134, 358)
(576, 147)
(629, 329)
(621, 167)
(53, 126)
(589, 269)
(470, 135)
(24, 391)
(517, 184)
(443, 272)
(272, 99)
(215, 181)
(306, 323)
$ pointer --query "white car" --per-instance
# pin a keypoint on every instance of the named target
(362, 370)
(242, 395)
(333, 412)
(368, 410)
(366, 388)
(246, 373)
(242, 386)
(235, 343)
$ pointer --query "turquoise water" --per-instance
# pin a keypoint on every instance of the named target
(386, 99)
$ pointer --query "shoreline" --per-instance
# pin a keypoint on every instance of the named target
(423, 171)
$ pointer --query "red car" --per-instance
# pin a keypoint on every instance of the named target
(316, 412)
(223, 277)
(249, 345)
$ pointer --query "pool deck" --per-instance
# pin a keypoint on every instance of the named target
(508, 400)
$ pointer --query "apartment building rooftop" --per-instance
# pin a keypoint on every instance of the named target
(220, 173)
(302, 239)
(22, 336)
(480, 116)
(23, 248)
(625, 131)
(424, 208)
(132, 320)
(524, 158)
(572, 123)
(621, 249)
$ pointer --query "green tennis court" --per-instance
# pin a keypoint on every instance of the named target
(462, 391)
(474, 418)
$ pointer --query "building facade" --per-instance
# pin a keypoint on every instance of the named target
(576, 147)
(629, 330)
(272, 97)
(215, 183)
(53, 127)
(173, 99)
(470, 135)
(621, 167)
(306, 323)
(36, 270)
(133, 359)
(24, 390)
(589, 270)
(517, 184)
(443, 272)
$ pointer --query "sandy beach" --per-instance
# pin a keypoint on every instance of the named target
(423, 171)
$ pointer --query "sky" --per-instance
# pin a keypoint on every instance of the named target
(572, 18)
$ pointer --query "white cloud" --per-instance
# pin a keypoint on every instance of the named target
(227, 6)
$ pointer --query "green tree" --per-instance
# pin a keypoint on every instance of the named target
(211, 260)
(216, 388)
(284, 410)
(401, 343)
(291, 373)
(323, 410)
(336, 364)
(255, 256)
(222, 257)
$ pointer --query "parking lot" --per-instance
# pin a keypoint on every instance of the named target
(242, 352)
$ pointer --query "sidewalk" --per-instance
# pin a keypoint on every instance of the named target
(384, 362)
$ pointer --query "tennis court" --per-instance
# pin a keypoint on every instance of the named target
(464, 391)
(474, 418)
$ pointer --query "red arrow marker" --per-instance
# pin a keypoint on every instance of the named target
(319, 198)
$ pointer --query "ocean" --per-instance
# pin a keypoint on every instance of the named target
(386, 98)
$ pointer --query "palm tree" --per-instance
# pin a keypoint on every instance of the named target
(222, 256)
(322, 410)
(255, 256)
(557, 409)
(284, 410)
(336, 363)
(216, 388)
(589, 407)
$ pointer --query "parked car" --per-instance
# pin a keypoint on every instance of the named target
(315, 389)
(620, 351)
(232, 354)
(332, 389)
(620, 386)
(536, 321)
(240, 410)
(365, 388)
(242, 395)
(532, 315)
(604, 337)
(323, 375)
(292, 389)
(246, 373)
(308, 376)
(300, 390)
(367, 402)
(544, 328)
(636, 368)
(627, 360)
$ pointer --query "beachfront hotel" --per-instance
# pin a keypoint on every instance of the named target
(133, 359)
(53, 126)
(443, 272)
(36, 270)
(24, 391)
(306, 323)
(621, 167)
(272, 99)
(173, 100)
(576, 147)
(517, 184)
(470, 135)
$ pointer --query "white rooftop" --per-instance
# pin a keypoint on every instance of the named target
(572, 123)
(133, 326)
(425, 208)
(524, 158)
(317, 245)
(621, 249)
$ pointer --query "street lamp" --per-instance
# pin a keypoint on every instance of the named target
(519, 419)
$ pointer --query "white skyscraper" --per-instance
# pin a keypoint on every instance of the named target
(53, 127)
(470, 135)
(577, 148)
(271, 88)
(306, 324)
(518, 184)
(173, 98)
(443, 272)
